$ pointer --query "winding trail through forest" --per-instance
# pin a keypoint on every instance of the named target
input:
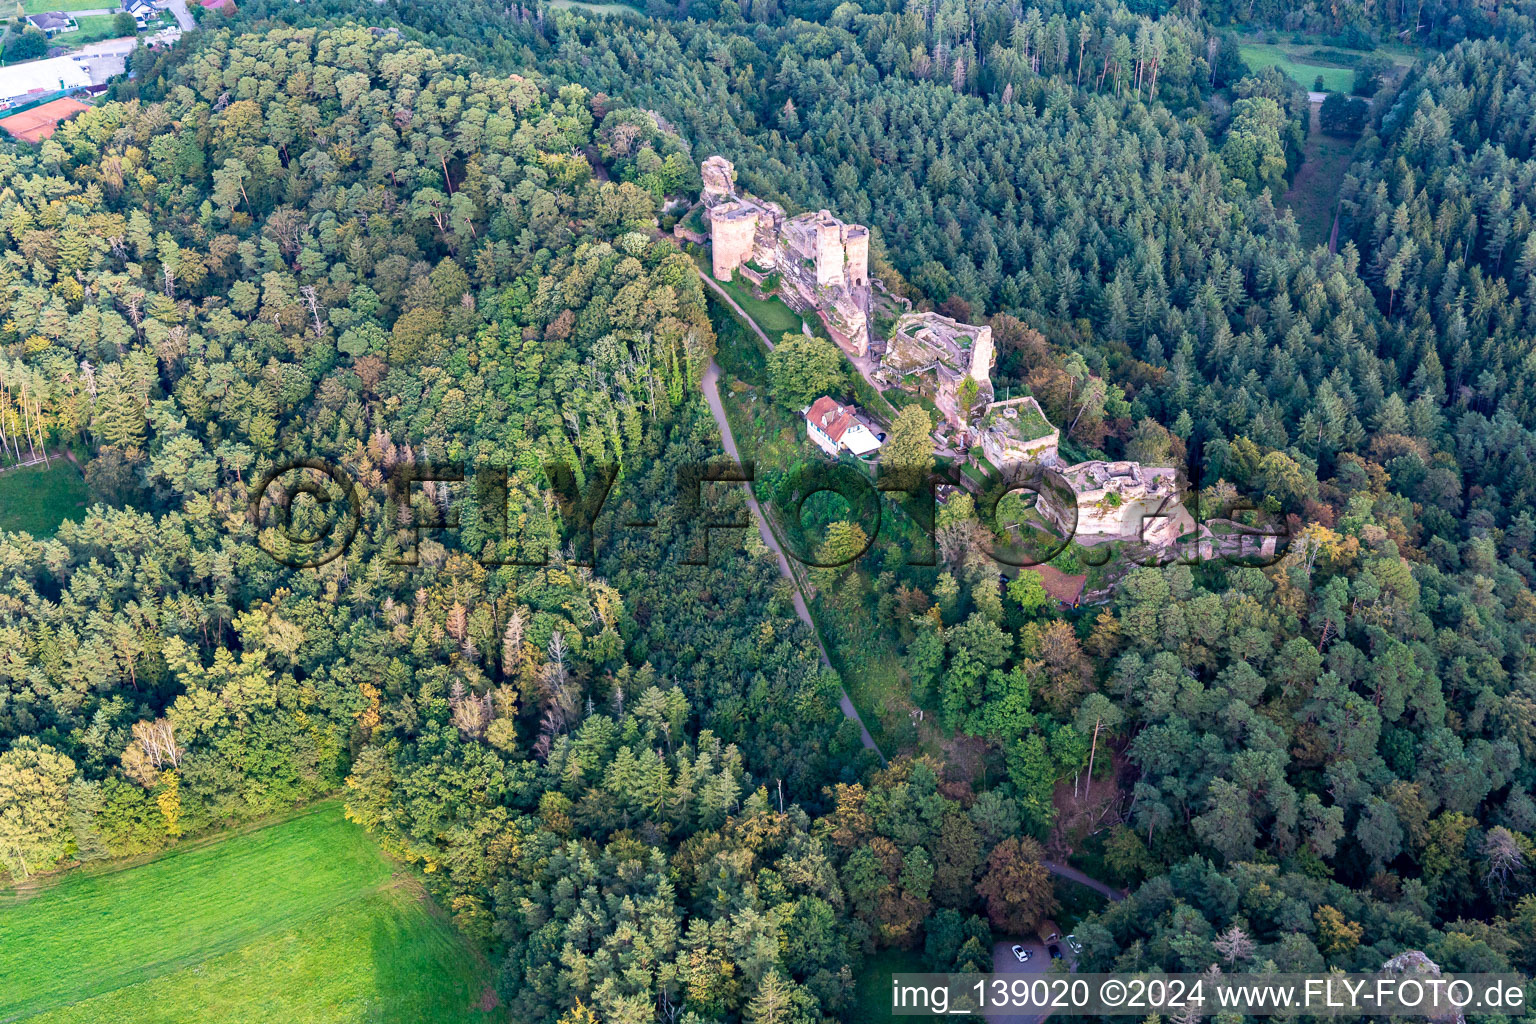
(711, 387)
(865, 364)
(745, 316)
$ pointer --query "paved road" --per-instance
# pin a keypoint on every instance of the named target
(1067, 871)
(866, 365)
(183, 16)
(712, 397)
(1004, 962)
(105, 60)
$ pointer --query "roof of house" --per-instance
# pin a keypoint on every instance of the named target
(49, 21)
(39, 123)
(829, 417)
(218, 5)
(841, 425)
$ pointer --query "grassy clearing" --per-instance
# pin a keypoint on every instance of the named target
(93, 29)
(579, 5)
(1314, 193)
(1294, 61)
(301, 921)
(36, 499)
(867, 659)
(694, 221)
(862, 651)
(772, 315)
(44, 6)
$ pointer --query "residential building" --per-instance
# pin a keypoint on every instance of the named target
(141, 11)
(53, 23)
(837, 428)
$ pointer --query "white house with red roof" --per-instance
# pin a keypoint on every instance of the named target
(837, 428)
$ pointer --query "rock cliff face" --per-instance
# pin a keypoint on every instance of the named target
(1414, 962)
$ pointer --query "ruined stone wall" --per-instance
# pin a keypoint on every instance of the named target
(1137, 512)
(856, 253)
(732, 233)
(981, 356)
(719, 176)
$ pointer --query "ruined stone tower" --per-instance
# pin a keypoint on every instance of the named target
(732, 232)
(816, 263)
(856, 255)
(829, 249)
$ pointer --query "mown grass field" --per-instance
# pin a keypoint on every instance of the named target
(44, 6)
(1293, 61)
(93, 29)
(37, 499)
(303, 922)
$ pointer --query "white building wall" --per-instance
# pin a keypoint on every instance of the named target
(53, 74)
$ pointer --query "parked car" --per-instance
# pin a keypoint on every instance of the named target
(1022, 955)
(1072, 944)
(1054, 950)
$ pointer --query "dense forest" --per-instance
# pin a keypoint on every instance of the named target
(401, 235)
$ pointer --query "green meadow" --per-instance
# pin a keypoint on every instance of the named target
(303, 921)
(1294, 61)
(36, 499)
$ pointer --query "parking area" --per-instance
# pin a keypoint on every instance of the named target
(1004, 962)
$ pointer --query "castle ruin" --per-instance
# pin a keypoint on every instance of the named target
(1016, 431)
(935, 355)
(1101, 501)
(1123, 501)
(821, 264)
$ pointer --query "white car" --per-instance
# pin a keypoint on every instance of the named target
(1022, 955)
(1072, 944)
